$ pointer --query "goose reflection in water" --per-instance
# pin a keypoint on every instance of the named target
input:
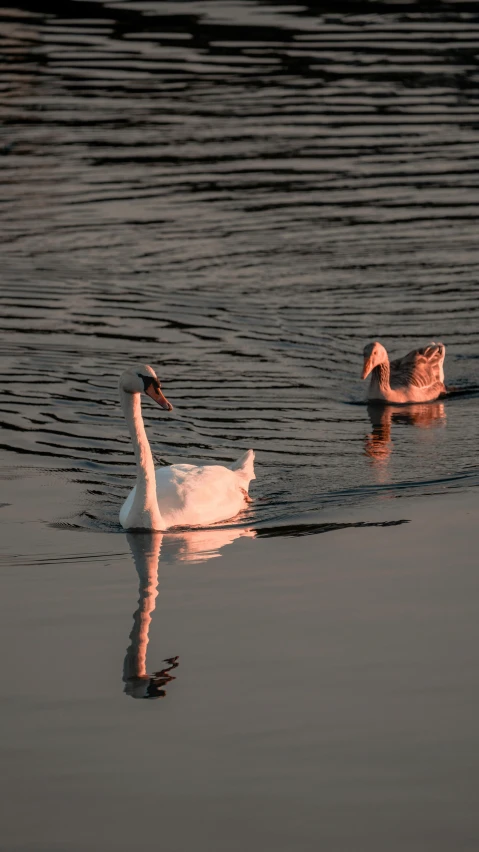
(378, 444)
(192, 546)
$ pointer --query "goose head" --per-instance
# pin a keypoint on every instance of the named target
(143, 379)
(374, 354)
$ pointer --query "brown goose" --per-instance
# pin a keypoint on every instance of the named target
(418, 377)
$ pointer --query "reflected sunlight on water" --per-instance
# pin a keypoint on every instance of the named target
(241, 195)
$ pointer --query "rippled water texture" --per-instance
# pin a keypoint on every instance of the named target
(242, 195)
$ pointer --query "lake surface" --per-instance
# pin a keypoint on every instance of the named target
(242, 195)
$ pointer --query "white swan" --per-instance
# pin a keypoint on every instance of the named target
(181, 494)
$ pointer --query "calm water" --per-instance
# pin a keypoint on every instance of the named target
(241, 194)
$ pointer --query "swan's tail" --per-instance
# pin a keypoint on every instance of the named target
(244, 467)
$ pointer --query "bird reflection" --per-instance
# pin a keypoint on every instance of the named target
(378, 444)
(145, 548)
(191, 546)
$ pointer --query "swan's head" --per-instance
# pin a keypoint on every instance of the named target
(374, 354)
(143, 379)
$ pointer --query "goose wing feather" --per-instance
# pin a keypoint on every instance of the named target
(421, 368)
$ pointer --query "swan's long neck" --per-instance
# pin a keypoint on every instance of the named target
(382, 374)
(144, 513)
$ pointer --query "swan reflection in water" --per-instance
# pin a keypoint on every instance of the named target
(191, 546)
(378, 444)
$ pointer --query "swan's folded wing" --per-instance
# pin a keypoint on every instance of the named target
(170, 487)
(196, 495)
(421, 368)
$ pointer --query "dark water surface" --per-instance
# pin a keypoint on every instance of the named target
(241, 194)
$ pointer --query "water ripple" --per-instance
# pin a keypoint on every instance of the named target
(241, 194)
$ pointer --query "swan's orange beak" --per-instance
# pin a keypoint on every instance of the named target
(154, 391)
(368, 366)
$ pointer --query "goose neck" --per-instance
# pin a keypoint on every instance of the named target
(382, 375)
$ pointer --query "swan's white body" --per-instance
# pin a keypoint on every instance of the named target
(181, 494)
(191, 495)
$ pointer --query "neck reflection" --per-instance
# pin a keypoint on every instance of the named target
(194, 546)
(145, 548)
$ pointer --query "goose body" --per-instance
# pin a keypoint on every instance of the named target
(417, 377)
(179, 494)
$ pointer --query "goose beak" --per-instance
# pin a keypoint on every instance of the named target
(368, 366)
(155, 393)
